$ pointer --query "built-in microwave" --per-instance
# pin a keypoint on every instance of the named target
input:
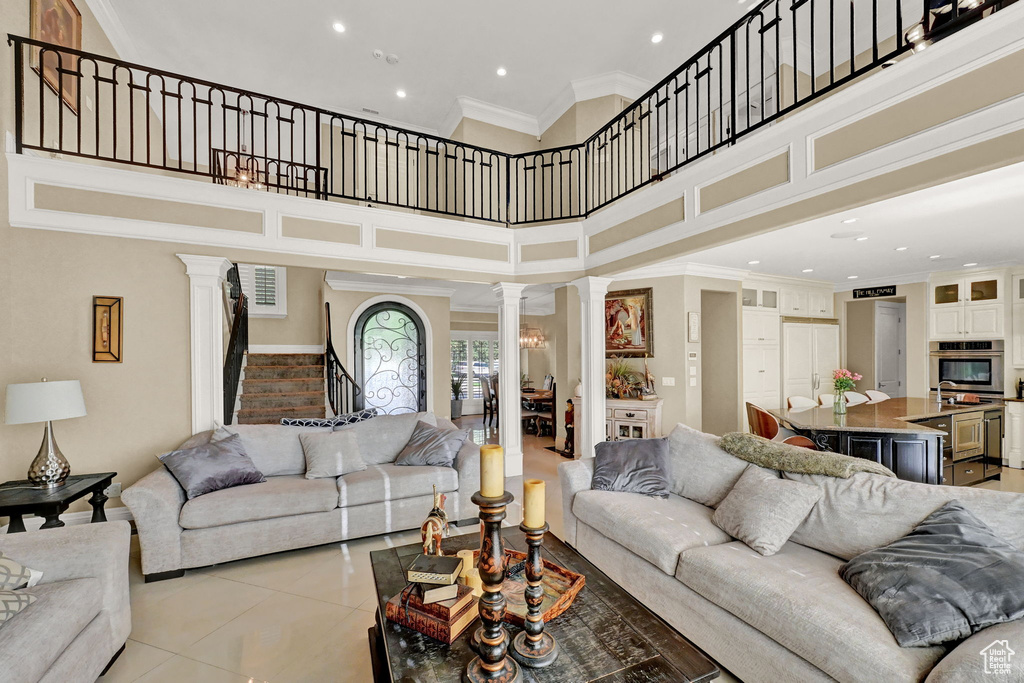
(972, 366)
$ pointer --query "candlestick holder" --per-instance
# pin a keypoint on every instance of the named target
(492, 665)
(534, 647)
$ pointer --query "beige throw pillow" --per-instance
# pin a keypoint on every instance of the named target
(331, 454)
(763, 510)
(12, 602)
(14, 575)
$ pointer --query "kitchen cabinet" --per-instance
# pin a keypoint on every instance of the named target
(756, 295)
(979, 288)
(968, 307)
(761, 375)
(1018, 289)
(1017, 332)
(760, 327)
(984, 322)
(819, 301)
(1014, 434)
(795, 301)
(810, 353)
(993, 442)
(628, 418)
(946, 322)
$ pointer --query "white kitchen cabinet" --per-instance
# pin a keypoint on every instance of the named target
(1018, 289)
(1017, 343)
(984, 322)
(819, 303)
(1013, 448)
(795, 301)
(948, 292)
(757, 295)
(968, 306)
(947, 322)
(761, 375)
(810, 354)
(760, 327)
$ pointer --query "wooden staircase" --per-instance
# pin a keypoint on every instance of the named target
(280, 385)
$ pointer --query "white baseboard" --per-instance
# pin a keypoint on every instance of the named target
(286, 348)
(74, 518)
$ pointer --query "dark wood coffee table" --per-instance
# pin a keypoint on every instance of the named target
(605, 635)
(19, 498)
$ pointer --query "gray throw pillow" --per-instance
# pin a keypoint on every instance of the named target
(948, 578)
(632, 466)
(383, 438)
(430, 445)
(763, 510)
(212, 467)
(331, 454)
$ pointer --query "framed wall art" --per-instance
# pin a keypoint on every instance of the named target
(107, 329)
(58, 22)
(629, 323)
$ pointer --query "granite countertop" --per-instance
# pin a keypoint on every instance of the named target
(893, 415)
(1014, 400)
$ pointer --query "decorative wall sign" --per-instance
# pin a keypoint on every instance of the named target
(58, 22)
(874, 292)
(107, 329)
(693, 327)
(629, 323)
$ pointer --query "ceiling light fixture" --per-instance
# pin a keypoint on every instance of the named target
(969, 265)
(657, 38)
(807, 270)
(851, 277)
(752, 263)
(400, 93)
(849, 220)
(529, 337)
(502, 71)
(901, 248)
(862, 239)
(935, 256)
(339, 27)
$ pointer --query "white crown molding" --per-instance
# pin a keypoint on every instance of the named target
(478, 110)
(115, 31)
(583, 89)
(562, 103)
(336, 281)
(674, 269)
(286, 348)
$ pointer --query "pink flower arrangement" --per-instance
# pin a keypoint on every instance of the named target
(843, 380)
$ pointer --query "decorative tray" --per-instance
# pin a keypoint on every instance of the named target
(561, 587)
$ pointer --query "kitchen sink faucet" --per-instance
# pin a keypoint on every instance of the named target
(938, 390)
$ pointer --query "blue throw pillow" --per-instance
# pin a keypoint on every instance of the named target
(212, 466)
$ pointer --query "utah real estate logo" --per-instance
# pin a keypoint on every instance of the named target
(997, 657)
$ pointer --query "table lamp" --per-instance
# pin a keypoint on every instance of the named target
(42, 402)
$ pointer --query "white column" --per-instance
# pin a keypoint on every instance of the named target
(206, 275)
(510, 433)
(590, 421)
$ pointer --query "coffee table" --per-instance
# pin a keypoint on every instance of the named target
(19, 498)
(606, 635)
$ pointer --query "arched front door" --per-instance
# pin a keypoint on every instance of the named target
(391, 361)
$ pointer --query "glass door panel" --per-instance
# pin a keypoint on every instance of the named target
(985, 290)
(947, 294)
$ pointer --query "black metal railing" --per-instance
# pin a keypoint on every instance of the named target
(779, 56)
(238, 343)
(342, 389)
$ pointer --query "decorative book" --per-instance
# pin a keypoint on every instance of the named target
(442, 609)
(444, 630)
(438, 593)
(442, 570)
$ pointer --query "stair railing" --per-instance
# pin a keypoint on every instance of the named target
(238, 343)
(342, 389)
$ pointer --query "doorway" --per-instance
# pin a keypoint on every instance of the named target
(475, 358)
(891, 347)
(391, 366)
(720, 362)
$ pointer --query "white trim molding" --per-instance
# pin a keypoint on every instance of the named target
(478, 110)
(582, 89)
(336, 280)
(206, 275)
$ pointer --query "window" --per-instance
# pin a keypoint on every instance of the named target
(266, 289)
(392, 364)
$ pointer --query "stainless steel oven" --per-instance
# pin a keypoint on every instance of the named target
(974, 367)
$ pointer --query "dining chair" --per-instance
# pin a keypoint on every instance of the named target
(485, 386)
(546, 412)
(495, 402)
(854, 398)
(877, 396)
(762, 423)
(801, 441)
(826, 400)
(800, 402)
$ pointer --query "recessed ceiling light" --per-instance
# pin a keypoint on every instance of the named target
(807, 270)
(752, 263)
(851, 277)
(935, 256)
(901, 248)
(968, 265)
(657, 38)
(861, 239)
(339, 27)
(846, 234)
(849, 220)
(400, 93)
(502, 71)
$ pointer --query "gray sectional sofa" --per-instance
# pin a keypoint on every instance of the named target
(789, 616)
(81, 617)
(289, 511)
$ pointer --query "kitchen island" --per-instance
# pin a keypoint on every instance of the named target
(917, 438)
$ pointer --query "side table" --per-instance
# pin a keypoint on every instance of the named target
(19, 498)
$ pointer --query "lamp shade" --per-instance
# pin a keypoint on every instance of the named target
(43, 401)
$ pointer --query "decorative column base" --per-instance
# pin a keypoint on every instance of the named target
(534, 647)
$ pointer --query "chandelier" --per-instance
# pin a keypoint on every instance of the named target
(529, 337)
(247, 172)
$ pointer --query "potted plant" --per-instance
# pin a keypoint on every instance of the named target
(458, 381)
(621, 380)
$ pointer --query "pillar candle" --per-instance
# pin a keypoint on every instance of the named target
(474, 581)
(533, 503)
(467, 561)
(492, 471)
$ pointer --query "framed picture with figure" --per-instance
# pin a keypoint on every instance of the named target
(58, 22)
(629, 323)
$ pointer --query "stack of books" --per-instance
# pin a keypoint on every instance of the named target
(433, 603)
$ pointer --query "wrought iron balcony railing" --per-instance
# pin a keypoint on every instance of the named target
(779, 56)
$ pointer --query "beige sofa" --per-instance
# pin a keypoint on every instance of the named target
(789, 616)
(289, 511)
(81, 617)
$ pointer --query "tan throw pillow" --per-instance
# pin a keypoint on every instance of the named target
(763, 510)
(12, 602)
(331, 454)
(14, 575)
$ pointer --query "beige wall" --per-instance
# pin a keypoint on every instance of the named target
(720, 362)
(472, 321)
(859, 340)
(436, 310)
(494, 137)
(305, 322)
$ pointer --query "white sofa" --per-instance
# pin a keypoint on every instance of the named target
(81, 617)
(789, 616)
(289, 511)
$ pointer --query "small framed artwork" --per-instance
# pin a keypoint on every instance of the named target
(58, 22)
(107, 329)
(629, 323)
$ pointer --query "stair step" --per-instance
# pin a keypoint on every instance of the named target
(280, 386)
(284, 400)
(285, 359)
(273, 415)
(284, 371)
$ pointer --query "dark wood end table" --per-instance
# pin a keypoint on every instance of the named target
(19, 498)
(605, 635)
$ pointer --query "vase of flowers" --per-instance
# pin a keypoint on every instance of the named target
(842, 381)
